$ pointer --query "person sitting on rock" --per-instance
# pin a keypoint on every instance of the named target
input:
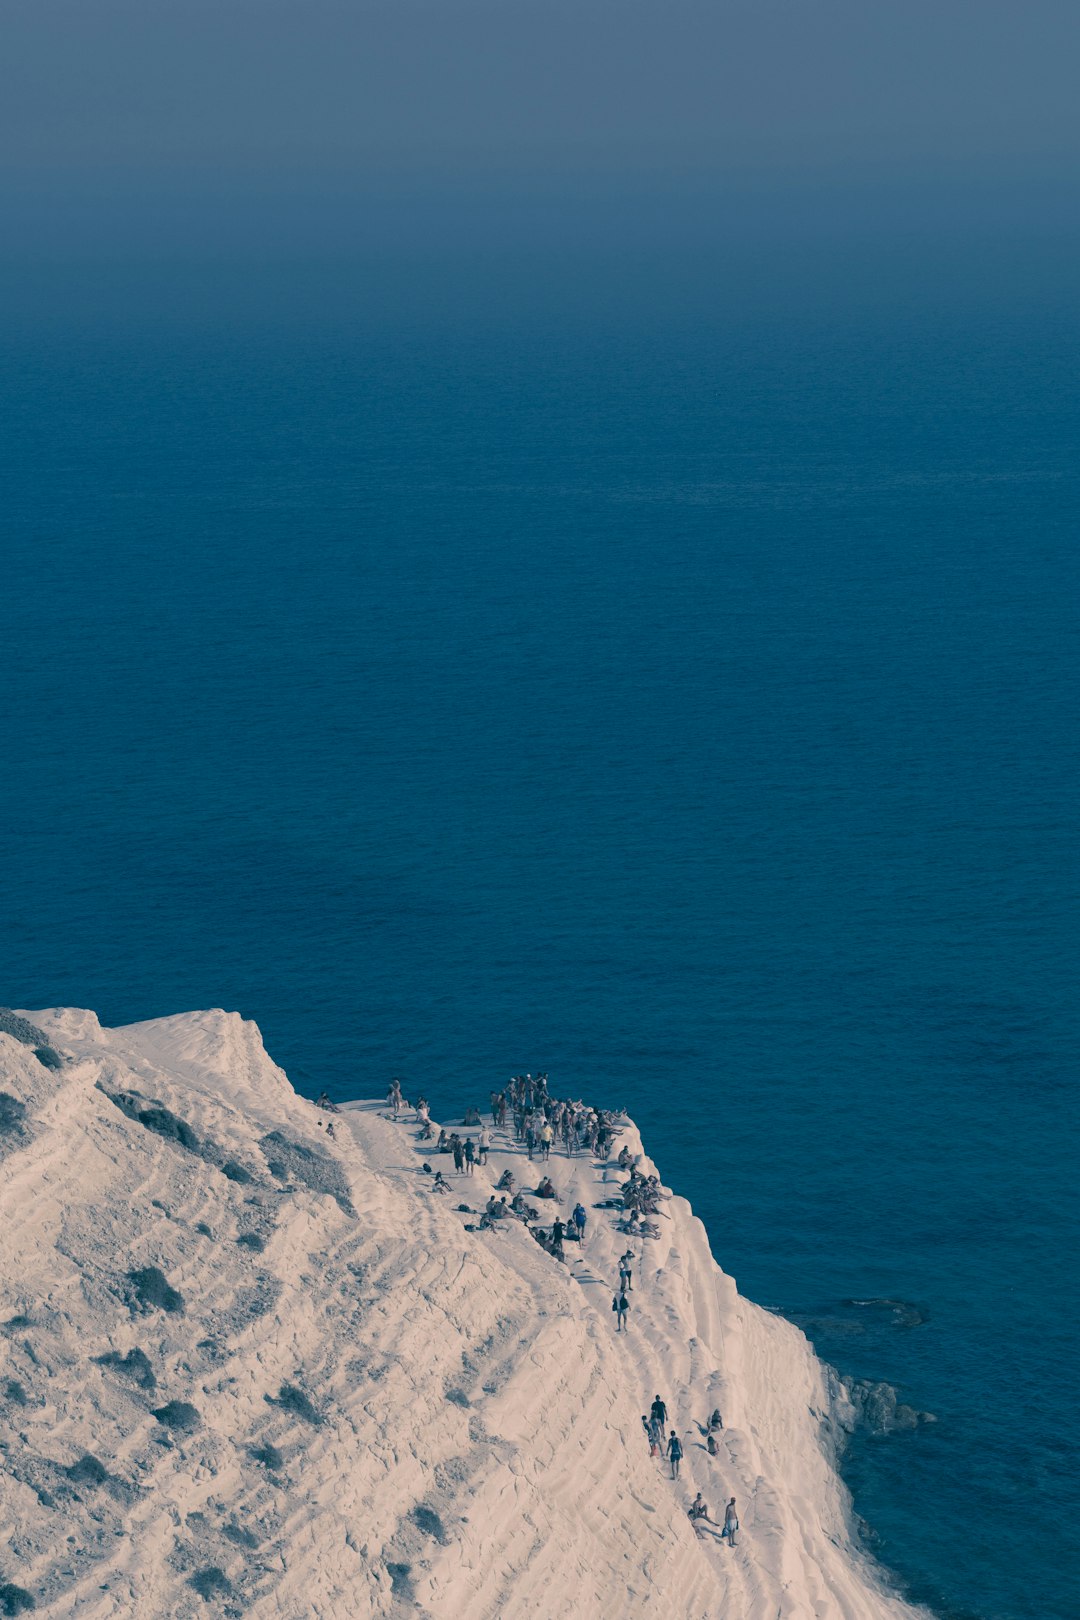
(505, 1182)
(698, 1510)
(545, 1189)
(440, 1184)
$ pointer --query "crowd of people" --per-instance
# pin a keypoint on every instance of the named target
(540, 1122)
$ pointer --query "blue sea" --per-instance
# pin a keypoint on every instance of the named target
(677, 696)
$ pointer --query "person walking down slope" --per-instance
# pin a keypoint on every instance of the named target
(659, 1415)
(580, 1218)
(620, 1305)
(674, 1451)
(731, 1523)
(655, 1439)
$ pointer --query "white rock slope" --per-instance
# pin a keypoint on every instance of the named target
(245, 1369)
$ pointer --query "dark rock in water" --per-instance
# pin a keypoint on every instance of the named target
(876, 1407)
(903, 1313)
(826, 1327)
(846, 1318)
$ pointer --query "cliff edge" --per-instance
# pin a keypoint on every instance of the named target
(251, 1368)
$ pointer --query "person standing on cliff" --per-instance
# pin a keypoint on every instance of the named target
(674, 1451)
(659, 1415)
(482, 1144)
(626, 1262)
(470, 1155)
(580, 1218)
(731, 1523)
(620, 1305)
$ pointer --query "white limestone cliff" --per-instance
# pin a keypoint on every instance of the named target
(362, 1407)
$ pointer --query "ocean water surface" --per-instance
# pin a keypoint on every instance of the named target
(687, 707)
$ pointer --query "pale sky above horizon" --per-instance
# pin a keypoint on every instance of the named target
(184, 118)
